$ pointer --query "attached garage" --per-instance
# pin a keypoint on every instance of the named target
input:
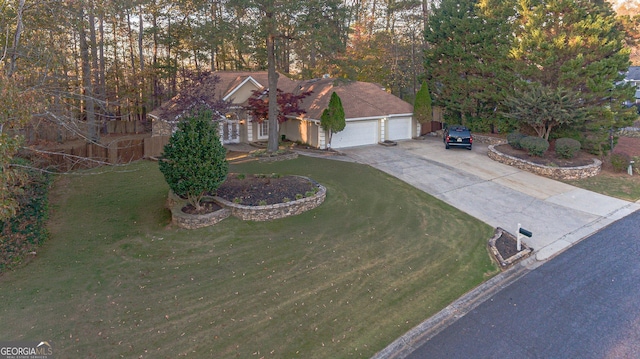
(398, 128)
(357, 133)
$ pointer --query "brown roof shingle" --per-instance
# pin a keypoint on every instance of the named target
(359, 99)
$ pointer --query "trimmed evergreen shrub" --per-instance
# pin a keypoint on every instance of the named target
(194, 160)
(514, 139)
(619, 161)
(567, 147)
(536, 146)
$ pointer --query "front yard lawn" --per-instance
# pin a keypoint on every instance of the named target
(345, 279)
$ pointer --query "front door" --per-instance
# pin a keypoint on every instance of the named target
(230, 131)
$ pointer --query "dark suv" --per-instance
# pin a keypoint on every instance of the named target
(457, 136)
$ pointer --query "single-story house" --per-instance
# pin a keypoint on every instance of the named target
(633, 77)
(372, 114)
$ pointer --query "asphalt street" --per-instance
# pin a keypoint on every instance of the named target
(584, 303)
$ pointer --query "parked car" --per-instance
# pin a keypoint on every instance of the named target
(457, 136)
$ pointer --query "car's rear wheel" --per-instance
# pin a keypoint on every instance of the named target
(446, 145)
(469, 148)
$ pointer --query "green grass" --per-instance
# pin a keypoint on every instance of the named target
(345, 279)
(617, 185)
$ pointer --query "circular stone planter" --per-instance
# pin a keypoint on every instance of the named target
(192, 221)
(561, 173)
(246, 213)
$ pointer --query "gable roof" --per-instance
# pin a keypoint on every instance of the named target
(633, 74)
(359, 99)
(207, 89)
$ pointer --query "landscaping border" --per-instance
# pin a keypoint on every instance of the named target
(507, 262)
(278, 210)
(243, 212)
(561, 173)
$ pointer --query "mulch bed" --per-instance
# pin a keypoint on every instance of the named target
(506, 246)
(205, 207)
(255, 190)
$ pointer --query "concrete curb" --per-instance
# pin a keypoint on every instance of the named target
(410, 341)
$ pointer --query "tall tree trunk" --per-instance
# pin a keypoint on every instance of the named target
(12, 65)
(102, 90)
(156, 84)
(95, 74)
(272, 145)
(86, 79)
(140, 83)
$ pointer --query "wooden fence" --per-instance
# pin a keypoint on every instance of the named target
(88, 155)
(45, 131)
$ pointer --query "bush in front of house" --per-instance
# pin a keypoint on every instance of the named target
(536, 146)
(194, 161)
(619, 161)
(514, 139)
(567, 147)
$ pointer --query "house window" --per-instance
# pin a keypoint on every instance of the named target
(263, 129)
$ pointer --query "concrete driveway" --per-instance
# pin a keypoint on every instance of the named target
(558, 214)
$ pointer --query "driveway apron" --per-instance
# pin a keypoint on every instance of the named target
(558, 214)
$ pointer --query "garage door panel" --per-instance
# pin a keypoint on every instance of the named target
(356, 134)
(399, 129)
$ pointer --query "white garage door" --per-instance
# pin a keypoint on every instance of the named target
(356, 134)
(399, 129)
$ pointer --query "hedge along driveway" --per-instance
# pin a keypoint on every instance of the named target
(345, 279)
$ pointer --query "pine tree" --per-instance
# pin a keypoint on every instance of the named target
(577, 45)
(466, 61)
(333, 117)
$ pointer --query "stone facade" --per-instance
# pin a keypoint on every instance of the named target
(561, 173)
(245, 213)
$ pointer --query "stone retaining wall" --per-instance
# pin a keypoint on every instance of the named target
(245, 213)
(490, 140)
(561, 173)
(630, 132)
(275, 211)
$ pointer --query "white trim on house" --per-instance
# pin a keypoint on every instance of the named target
(237, 88)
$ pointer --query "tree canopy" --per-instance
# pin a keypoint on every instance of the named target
(482, 51)
(466, 61)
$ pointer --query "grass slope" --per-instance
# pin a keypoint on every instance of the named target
(345, 279)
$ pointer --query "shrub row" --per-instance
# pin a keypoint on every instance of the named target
(537, 146)
(23, 233)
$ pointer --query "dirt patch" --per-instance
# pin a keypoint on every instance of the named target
(256, 190)
(629, 146)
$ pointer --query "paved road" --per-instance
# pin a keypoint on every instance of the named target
(585, 303)
(558, 214)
